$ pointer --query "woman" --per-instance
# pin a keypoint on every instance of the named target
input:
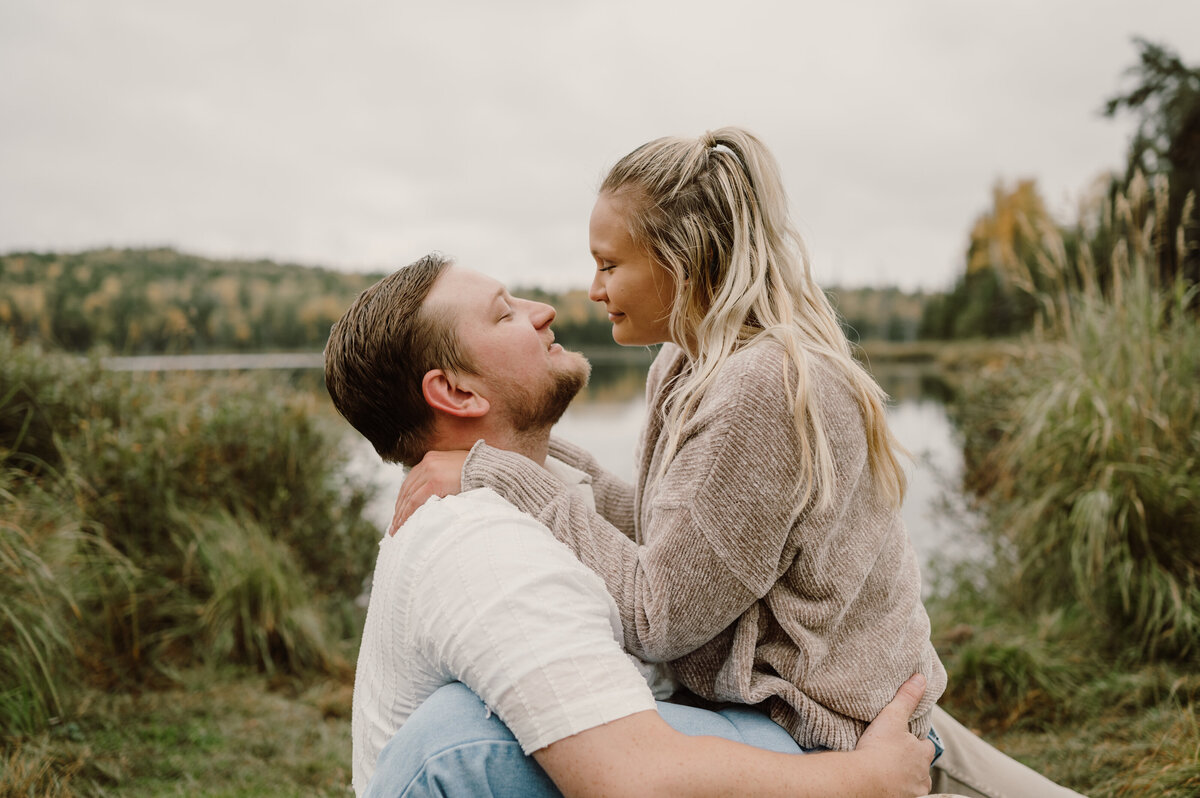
(760, 550)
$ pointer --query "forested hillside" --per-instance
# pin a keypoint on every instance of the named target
(150, 301)
(159, 300)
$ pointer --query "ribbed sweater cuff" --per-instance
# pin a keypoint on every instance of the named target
(524, 483)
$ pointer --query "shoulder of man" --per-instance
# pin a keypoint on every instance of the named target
(457, 525)
(459, 515)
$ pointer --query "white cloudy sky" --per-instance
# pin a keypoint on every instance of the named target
(360, 135)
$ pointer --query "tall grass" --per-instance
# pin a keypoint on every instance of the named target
(247, 596)
(1086, 448)
(1077, 647)
(150, 523)
(36, 642)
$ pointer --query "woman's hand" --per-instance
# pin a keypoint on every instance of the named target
(438, 474)
(901, 760)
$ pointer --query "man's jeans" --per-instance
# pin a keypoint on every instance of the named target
(453, 746)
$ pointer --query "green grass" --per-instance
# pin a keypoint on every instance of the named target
(150, 527)
(217, 732)
(1085, 452)
(1036, 687)
(1077, 647)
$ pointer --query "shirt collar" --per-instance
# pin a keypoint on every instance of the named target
(573, 478)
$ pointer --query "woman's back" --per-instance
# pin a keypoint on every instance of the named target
(754, 597)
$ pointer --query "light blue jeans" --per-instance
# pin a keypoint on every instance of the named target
(453, 746)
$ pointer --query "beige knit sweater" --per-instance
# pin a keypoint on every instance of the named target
(715, 568)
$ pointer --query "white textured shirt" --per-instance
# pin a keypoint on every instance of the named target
(470, 589)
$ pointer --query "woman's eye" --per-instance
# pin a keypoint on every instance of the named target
(607, 267)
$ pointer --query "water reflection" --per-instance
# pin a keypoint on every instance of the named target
(905, 382)
(617, 375)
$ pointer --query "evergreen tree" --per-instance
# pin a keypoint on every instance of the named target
(1166, 99)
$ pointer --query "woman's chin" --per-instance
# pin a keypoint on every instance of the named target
(621, 336)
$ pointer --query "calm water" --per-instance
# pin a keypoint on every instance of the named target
(607, 420)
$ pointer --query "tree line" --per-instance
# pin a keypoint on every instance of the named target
(149, 301)
(153, 301)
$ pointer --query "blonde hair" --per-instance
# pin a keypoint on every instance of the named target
(713, 212)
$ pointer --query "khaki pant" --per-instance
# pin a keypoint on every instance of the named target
(971, 767)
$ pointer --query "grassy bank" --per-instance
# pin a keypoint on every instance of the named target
(1078, 645)
(229, 732)
(187, 534)
(1039, 688)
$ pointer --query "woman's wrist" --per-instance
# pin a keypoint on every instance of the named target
(515, 477)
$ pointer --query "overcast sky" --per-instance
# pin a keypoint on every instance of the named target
(360, 135)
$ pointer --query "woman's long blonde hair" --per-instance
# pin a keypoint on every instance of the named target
(713, 212)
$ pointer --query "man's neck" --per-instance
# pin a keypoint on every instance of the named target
(534, 444)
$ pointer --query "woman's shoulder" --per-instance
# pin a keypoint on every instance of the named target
(761, 376)
(751, 382)
(766, 369)
(765, 356)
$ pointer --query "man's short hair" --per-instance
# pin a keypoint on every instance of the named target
(379, 352)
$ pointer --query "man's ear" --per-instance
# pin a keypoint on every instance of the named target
(448, 393)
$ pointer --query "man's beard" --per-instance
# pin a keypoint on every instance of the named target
(530, 412)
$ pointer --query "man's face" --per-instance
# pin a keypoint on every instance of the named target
(531, 378)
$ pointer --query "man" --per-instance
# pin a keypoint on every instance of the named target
(471, 591)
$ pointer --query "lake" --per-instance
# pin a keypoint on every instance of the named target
(606, 419)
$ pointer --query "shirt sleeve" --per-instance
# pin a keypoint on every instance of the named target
(717, 531)
(511, 613)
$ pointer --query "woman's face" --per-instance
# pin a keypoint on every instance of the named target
(636, 291)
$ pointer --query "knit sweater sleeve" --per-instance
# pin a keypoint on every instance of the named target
(613, 495)
(716, 530)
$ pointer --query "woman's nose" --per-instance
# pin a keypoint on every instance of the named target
(596, 291)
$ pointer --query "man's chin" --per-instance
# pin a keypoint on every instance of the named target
(530, 412)
(584, 366)
(568, 383)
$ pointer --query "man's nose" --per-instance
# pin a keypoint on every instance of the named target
(542, 314)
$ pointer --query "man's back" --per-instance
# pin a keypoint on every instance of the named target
(472, 590)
